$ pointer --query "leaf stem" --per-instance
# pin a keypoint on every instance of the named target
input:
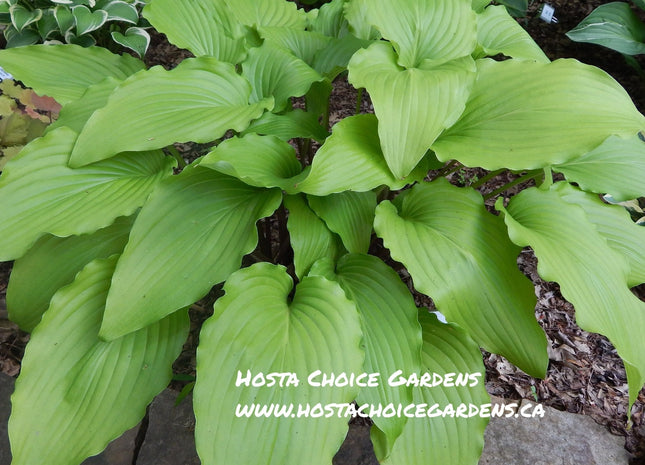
(527, 177)
(359, 100)
(449, 168)
(484, 179)
(175, 153)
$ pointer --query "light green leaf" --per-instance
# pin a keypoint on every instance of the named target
(303, 44)
(614, 26)
(88, 20)
(75, 393)
(310, 237)
(71, 69)
(135, 38)
(351, 159)
(356, 13)
(479, 5)
(460, 255)
(562, 237)
(274, 72)
(203, 98)
(255, 328)
(53, 263)
(388, 316)
(204, 27)
(190, 235)
(121, 11)
(445, 440)
(334, 58)
(615, 225)
(290, 125)
(423, 32)
(348, 214)
(260, 161)
(562, 111)
(426, 101)
(330, 20)
(499, 32)
(615, 167)
(22, 17)
(268, 13)
(40, 194)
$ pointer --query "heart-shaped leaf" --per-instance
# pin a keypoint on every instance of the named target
(88, 20)
(22, 17)
(64, 18)
(135, 38)
(118, 10)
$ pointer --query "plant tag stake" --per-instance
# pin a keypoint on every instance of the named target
(546, 14)
(4, 75)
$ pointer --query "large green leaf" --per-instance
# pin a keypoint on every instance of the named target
(446, 440)
(303, 44)
(202, 99)
(614, 26)
(40, 194)
(310, 237)
(461, 256)
(190, 235)
(70, 69)
(592, 276)
(615, 167)
(423, 32)
(568, 108)
(261, 161)
(388, 316)
(270, 13)
(255, 329)
(424, 103)
(348, 214)
(351, 159)
(204, 27)
(53, 263)
(290, 125)
(498, 32)
(76, 393)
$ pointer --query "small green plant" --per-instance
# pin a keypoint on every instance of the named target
(108, 23)
(114, 237)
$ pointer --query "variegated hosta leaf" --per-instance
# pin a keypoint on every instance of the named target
(136, 39)
(274, 72)
(71, 69)
(441, 439)
(614, 224)
(290, 125)
(616, 167)
(261, 161)
(121, 11)
(202, 99)
(76, 393)
(310, 237)
(88, 20)
(254, 330)
(40, 194)
(204, 27)
(351, 159)
(425, 33)
(348, 214)
(53, 263)
(499, 32)
(388, 316)
(426, 101)
(190, 235)
(568, 108)
(268, 13)
(461, 256)
(592, 276)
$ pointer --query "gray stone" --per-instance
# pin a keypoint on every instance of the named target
(118, 452)
(6, 389)
(558, 438)
(357, 448)
(170, 436)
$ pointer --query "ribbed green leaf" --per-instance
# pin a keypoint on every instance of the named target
(71, 69)
(592, 276)
(615, 167)
(614, 26)
(75, 393)
(310, 237)
(190, 235)
(274, 72)
(460, 255)
(203, 98)
(204, 27)
(348, 214)
(53, 263)
(445, 440)
(269, 13)
(330, 20)
(574, 113)
(479, 5)
(499, 32)
(255, 328)
(303, 44)
(356, 13)
(426, 101)
(425, 32)
(261, 161)
(614, 224)
(388, 316)
(40, 194)
(291, 125)
(334, 58)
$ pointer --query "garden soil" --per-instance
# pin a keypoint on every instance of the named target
(585, 374)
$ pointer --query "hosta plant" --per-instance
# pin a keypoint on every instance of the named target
(108, 23)
(114, 237)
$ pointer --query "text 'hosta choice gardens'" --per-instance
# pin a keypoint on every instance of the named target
(310, 227)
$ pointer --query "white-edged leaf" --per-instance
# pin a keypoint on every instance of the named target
(88, 20)
(121, 11)
(136, 39)
(21, 17)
